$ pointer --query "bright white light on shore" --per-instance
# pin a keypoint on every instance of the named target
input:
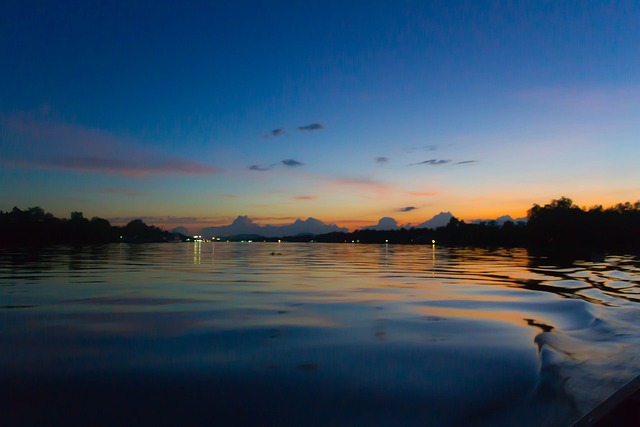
(433, 242)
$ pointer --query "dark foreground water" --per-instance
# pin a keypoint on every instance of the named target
(311, 334)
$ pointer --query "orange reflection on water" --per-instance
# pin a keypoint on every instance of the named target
(512, 317)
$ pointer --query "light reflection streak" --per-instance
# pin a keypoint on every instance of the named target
(197, 252)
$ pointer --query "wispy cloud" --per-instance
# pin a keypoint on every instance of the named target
(422, 148)
(407, 209)
(311, 127)
(359, 183)
(48, 144)
(381, 160)
(432, 162)
(423, 193)
(286, 162)
(120, 166)
(291, 163)
(305, 197)
(466, 162)
(273, 219)
(260, 168)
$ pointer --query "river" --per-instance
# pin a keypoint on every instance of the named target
(312, 334)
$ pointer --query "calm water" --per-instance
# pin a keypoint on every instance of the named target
(311, 334)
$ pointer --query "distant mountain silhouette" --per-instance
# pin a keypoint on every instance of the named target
(181, 230)
(243, 225)
(385, 223)
(440, 220)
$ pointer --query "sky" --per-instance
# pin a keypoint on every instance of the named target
(193, 113)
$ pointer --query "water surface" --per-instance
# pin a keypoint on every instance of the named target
(312, 334)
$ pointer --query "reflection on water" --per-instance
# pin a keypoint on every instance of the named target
(290, 334)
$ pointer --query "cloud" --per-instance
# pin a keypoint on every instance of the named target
(230, 196)
(423, 148)
(291, 163)
(305, 197)
(260, 168)
(311, 127)
(381, 160)
(466, 162)
(360, 183)
(277, 132)
(361, 187)
(48, 144)
(433, 162)
(121, 166)
(407, 209)
(423, 194)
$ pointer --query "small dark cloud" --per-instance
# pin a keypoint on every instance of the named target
(466, 162)
(291, 163)
(423, 148)
(260, 168)
(312, 126)
(433, 162)
(381, 160)
(277, 132)
(407, 209)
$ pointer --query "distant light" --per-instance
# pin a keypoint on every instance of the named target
(279, 240)
(433, 242)
(386, 241)
(121, 237)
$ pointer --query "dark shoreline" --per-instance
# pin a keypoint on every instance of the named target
(558, 226)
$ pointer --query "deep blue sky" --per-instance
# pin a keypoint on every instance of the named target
(189, 113)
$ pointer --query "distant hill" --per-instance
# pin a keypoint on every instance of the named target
(385, 223)
(440, 220)
(243, 225)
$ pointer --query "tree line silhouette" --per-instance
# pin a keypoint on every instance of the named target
(559, 224)
(35, 227)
